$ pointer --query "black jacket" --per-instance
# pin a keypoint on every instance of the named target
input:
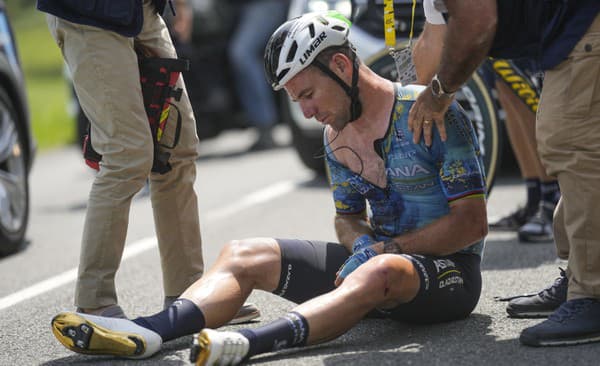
(122, 16)
(544, 30)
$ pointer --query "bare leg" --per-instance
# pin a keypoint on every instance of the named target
(211, 301)
(242, 266)
(385, 281)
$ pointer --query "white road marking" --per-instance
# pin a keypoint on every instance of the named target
(136, 248)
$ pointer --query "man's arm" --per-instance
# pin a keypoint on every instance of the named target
(470, 32)
(427, 51)
(469, 35)
(465, 224)
(350, 227)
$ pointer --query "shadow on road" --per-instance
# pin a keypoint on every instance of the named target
(475, 340)
(165, 357)
(387, 342)
(471, 341)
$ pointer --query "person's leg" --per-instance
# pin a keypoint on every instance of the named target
(569, 141)
(294, 269)
(242, 266)
(384, 281)
(211, 301)
(174, 200)
(519, 122)
(257, 21)
(534, 220)
(520, 126)
(538, 227)
(111, 99)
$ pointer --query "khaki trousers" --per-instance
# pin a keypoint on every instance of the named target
(106, 78)
(568, 134)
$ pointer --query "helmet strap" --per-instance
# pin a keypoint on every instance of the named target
(351, 91)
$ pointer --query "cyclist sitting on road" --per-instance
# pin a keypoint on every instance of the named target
(419, 250)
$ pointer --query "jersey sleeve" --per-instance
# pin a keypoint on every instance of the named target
(461, 167)
(432, 15)
(346, 198)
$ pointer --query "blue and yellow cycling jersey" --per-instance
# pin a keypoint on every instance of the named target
(421, 180)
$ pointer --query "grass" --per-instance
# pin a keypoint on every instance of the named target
(47, 89)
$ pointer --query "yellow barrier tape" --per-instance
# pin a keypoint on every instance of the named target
(388, 23)
(412, 22)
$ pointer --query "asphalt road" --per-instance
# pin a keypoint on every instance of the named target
(256, 194)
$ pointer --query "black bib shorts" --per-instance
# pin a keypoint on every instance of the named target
(450, 285)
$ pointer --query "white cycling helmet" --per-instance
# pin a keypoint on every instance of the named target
(296, 44)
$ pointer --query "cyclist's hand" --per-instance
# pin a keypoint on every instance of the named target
(353, 262)
(427, 110)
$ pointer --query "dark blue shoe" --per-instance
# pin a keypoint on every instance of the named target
(542, 304)
(575, 322)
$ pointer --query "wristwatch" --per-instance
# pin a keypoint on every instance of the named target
(438, 90)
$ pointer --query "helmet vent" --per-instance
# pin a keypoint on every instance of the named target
(311, 29)
(292, 53)
(282, 74)
(338, 28)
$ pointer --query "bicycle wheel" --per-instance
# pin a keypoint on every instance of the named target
(475, 98)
